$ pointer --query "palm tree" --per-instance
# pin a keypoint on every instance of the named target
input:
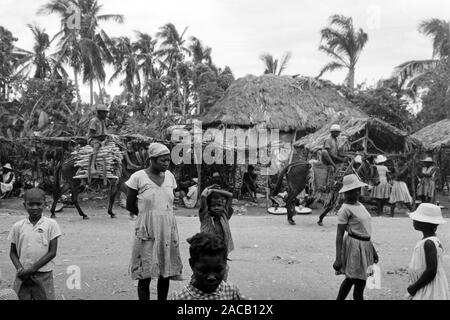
(44, 65)
(344, 44)
(126, 63)
(172, 52)
(85, 49)
(271, 64)
(410, 72)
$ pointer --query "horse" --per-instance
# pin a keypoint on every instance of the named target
(297, 176)
(67, 171)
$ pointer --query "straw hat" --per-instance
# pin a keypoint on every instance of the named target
(380, 159)
(335, 128)
(429, 213)
(428, 159)
(351, 182)
(7, 166)
(102, 107)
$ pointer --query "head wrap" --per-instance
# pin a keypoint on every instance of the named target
(156, 150)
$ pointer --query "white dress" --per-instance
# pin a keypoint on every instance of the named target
(156, 248)
(438, 288)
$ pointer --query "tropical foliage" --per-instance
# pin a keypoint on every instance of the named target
(344, 44)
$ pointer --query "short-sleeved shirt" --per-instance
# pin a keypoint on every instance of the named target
(382, 172)
(32, 242)
(357, 219)
(225, 291)
(192, 196)
(98, 126)
(331, 145)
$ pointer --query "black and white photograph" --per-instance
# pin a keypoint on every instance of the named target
(236, 151)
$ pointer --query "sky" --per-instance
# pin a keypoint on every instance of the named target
(239, 31)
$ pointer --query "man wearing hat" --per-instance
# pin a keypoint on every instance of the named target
(427, 184)
(7, 181)
(330, 150)
(97, 132)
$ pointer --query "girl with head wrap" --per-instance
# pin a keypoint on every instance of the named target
(156, 251)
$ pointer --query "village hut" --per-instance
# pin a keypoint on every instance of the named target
(435, 140)
(292, 106)
(368, 134)
(365, 134)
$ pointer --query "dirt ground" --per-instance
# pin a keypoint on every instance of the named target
(272, 259)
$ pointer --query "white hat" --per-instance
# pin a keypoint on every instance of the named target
(335, 128)
(351, 182)
(358, 159)
(195, 180)
(429, 213)
(428, 159)
(156, 150)
(380, 159)
(7, 166)
(102, 107)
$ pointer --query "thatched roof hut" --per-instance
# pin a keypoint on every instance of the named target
(358, 132)
(434, 136)
(279, 102)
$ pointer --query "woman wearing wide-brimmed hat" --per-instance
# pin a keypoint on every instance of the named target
(355, 252)
(7, 180)
(156, 248)
(427, 279)
(382, 191)
(427, 184)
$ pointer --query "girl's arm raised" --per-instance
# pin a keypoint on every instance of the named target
(431, 270)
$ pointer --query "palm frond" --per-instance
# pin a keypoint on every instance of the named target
(330, 67)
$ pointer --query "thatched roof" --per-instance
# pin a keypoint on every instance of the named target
(435, 135)
(385, 136)
(279, 102)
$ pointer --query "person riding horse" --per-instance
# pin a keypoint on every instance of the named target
(330, 151)
(97, 133)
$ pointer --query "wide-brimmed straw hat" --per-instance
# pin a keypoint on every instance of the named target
(7, 166)
(380, 159)
(351, 182)
(428, 159)
(335, 128)
(429, 213)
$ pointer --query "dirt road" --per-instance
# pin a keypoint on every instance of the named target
(272, 260)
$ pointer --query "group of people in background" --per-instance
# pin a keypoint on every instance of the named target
(392, 188)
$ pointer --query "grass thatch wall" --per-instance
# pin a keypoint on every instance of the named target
(435, 135)
(279, 102)
(385, 136)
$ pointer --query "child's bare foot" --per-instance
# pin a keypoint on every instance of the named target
(292, 222)
(320, 223)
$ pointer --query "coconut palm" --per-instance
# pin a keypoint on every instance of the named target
(272, 66)
(341, 41)
(410, 72)
(43, 64)
(172, 53)
(86, 48)
(126, 64)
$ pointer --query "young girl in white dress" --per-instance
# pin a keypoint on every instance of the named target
(427, 279)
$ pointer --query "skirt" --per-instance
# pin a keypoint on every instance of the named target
(426, 188)
(357, 257)
(400, 193)
(381, 191)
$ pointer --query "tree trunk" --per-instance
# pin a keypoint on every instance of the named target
(77, 89)
(351, 78)
(100, 92)
(91, 85)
